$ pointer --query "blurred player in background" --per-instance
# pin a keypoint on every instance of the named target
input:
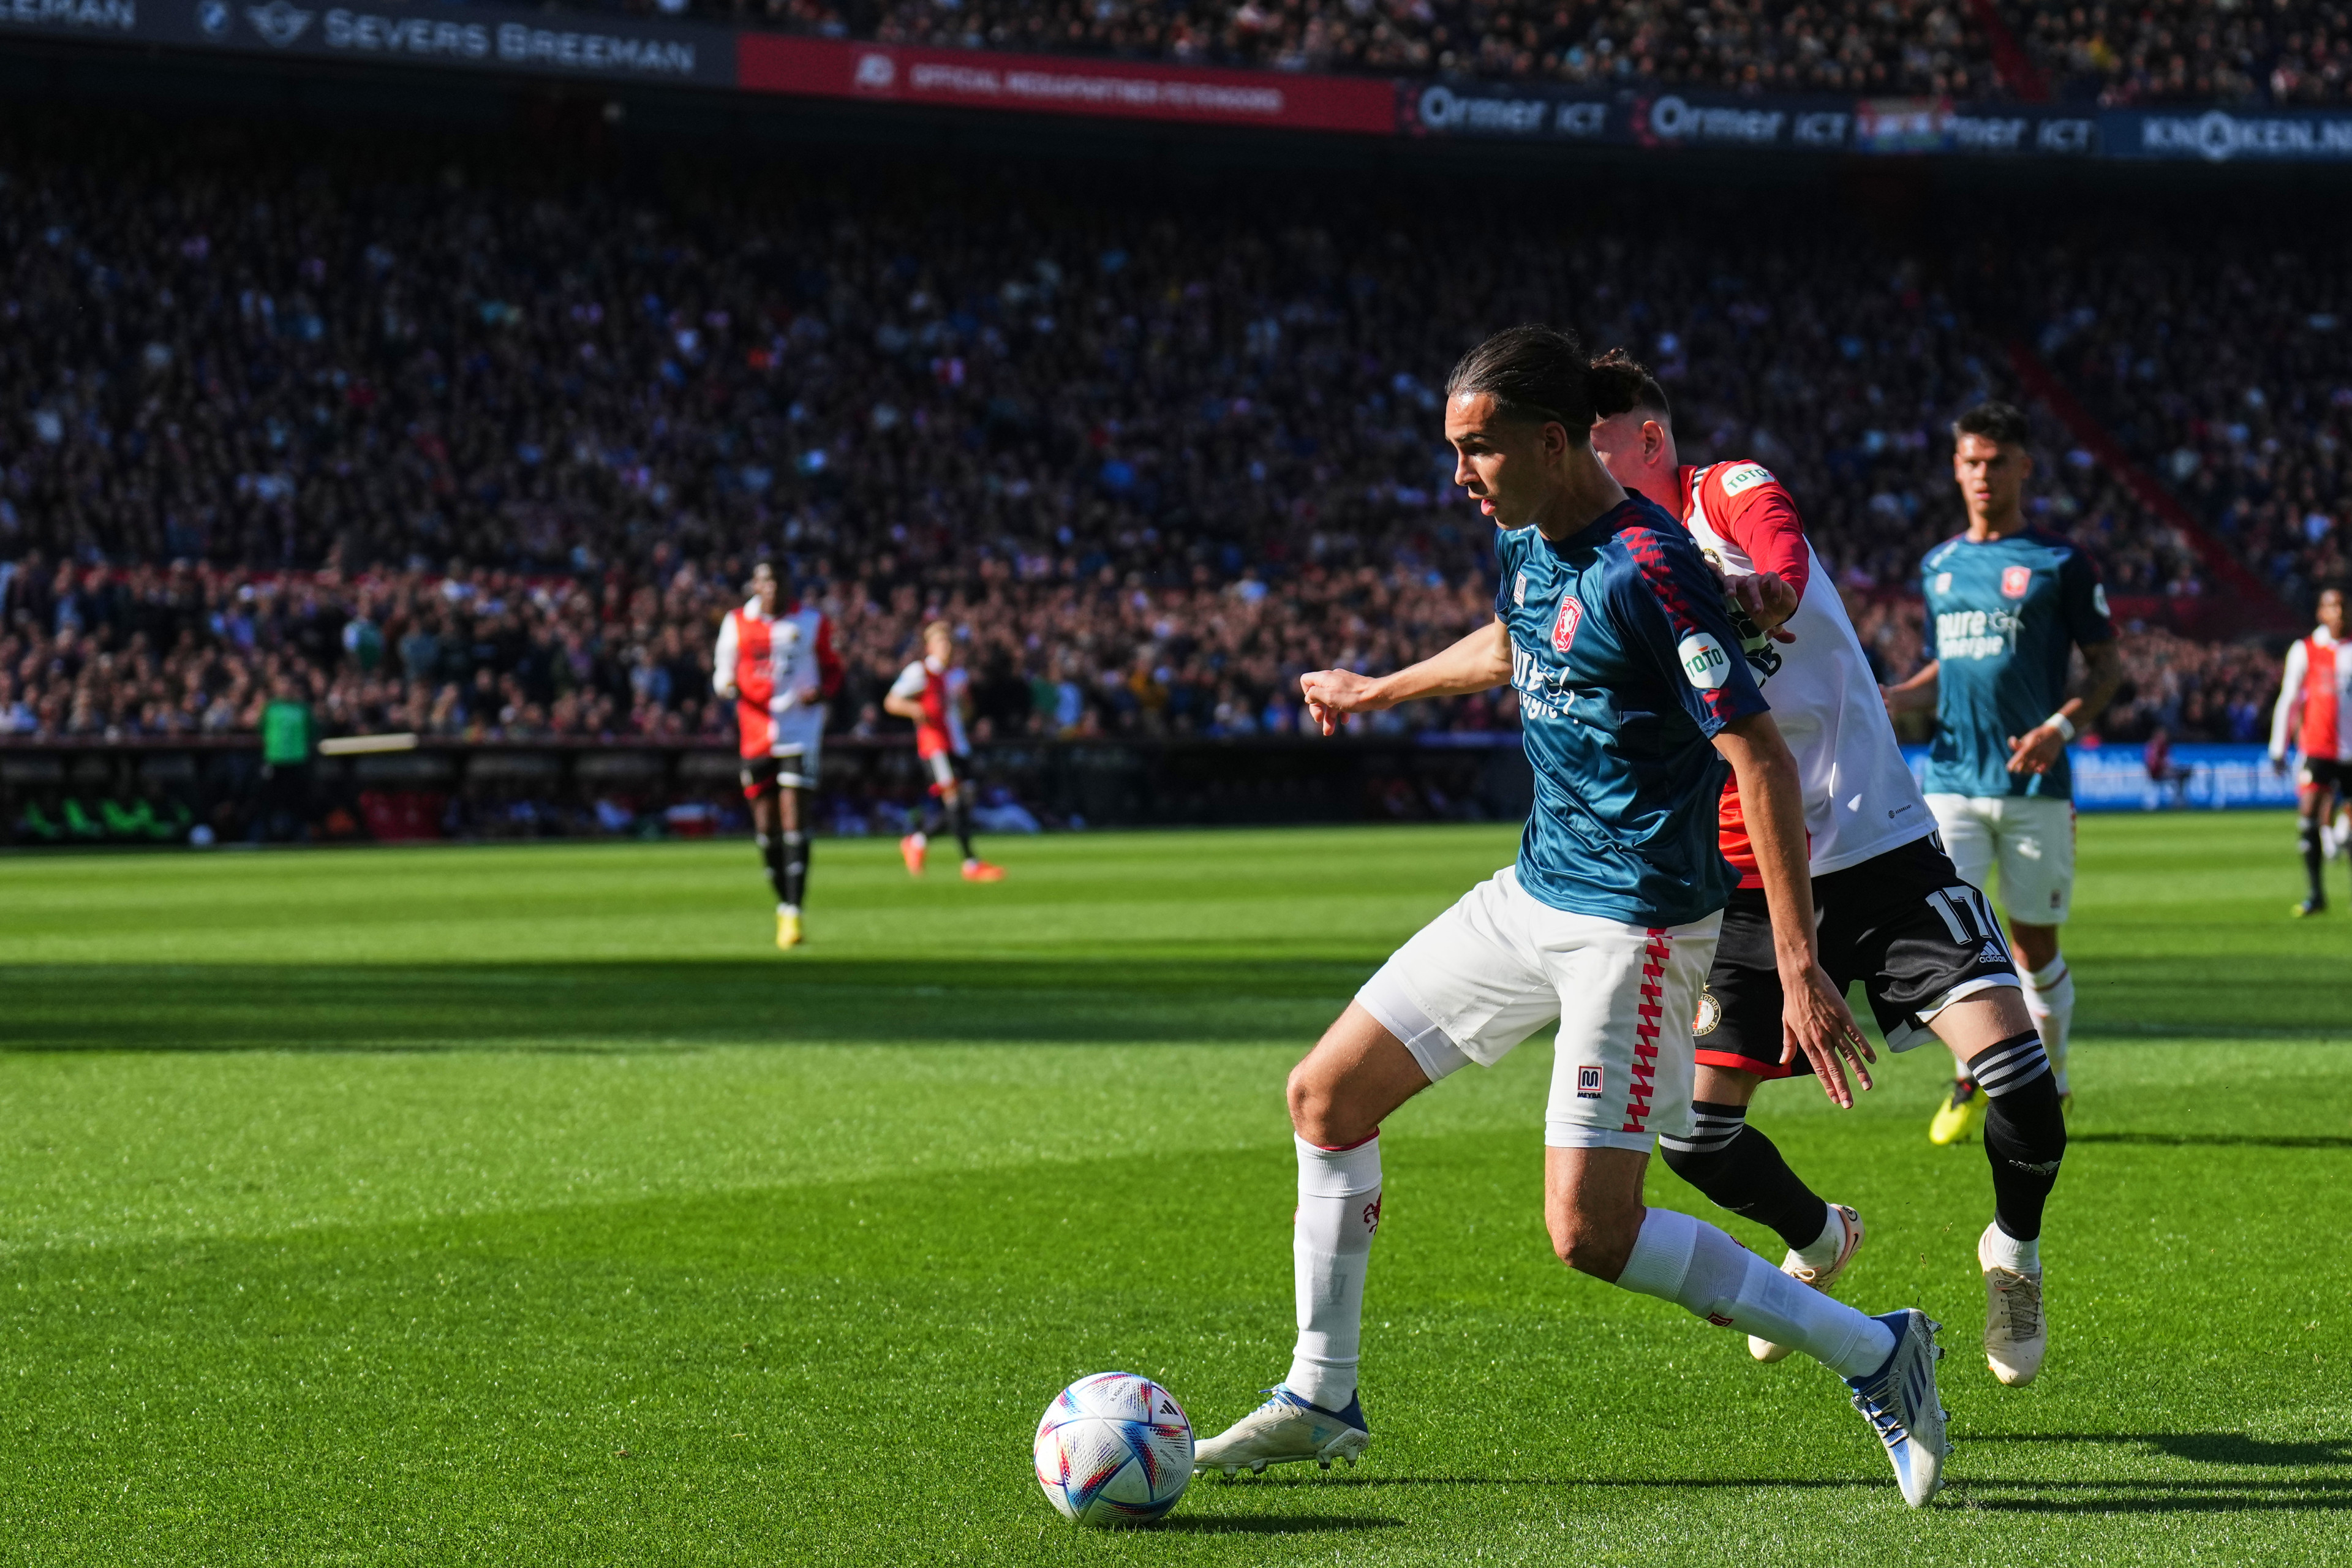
(1610, 628)
(1892, 910)
(934, 692)
(2314, 716)
(2006, 605)
(779, 666)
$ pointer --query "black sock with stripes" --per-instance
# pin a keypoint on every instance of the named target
(2024, 1130)
(1741, 1170)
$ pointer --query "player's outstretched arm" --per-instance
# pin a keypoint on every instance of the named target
(1814, 1016)
(1479, 662)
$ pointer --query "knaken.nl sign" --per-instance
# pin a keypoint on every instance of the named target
(1126, 89)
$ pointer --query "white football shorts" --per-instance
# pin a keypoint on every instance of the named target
(2030, 837)
(1499, 965)
(800, 746)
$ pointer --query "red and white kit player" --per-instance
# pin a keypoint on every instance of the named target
(777, 662)
(1891, 909)
(933, 692)
(2314, 716)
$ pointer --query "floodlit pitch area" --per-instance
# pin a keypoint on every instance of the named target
(524, 1206)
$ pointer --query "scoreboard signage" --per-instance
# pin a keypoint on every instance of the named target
(618, 48)
(584, 45)
(2218, 136)
(1651, 118)
(1065, 84)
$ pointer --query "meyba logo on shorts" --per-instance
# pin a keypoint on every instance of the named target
(2015, 581)
(1564, 625)
(1703, 661)
(1588, 1083)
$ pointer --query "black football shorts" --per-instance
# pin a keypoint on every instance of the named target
(1902, 923)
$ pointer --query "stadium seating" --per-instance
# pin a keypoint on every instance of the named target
(465, 458)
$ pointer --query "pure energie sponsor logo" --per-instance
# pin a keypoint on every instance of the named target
(1975, 634)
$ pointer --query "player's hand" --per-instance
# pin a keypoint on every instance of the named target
(2035, 751)
(1332, 694)
(1814, 1020)
(1768, 601)
(2278, 766)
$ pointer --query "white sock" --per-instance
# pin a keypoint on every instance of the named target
(922, 841)
(1331, 1241)
(2049, 1002)
(1822, 1250)
(788, 909)
(1999, 1249)
(1701, 1269)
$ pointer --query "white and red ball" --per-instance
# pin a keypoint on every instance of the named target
(1114, 1449)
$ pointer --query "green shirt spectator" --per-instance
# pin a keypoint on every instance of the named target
(284, 732)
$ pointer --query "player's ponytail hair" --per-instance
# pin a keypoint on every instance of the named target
(1531, 372)
(1622, 384)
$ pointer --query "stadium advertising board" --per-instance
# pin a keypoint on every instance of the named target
(1665, 119)
(2217, 136)
(485, 38)
(970, 78)
(2218, 777)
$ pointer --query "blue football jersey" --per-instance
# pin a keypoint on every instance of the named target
(1625, 665)
(2003, 615)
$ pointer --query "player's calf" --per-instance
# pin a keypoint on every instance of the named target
(2025, 1142)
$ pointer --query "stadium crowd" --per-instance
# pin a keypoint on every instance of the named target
(460, 458)
(2225, 359)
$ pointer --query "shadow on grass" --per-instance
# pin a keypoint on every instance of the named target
(1272, 1524)
(2010, 1496)
(2214, 1140)
(794, 1000)
(2206, 1447)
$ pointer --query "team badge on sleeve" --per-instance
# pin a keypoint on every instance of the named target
(1563, 625)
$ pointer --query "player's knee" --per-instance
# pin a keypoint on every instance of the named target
(1313, 1104)
(1595, 1244)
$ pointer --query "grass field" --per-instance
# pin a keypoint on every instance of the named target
(523, 1206)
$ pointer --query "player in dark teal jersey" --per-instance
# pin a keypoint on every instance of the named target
(2006, 605)
(1633, 696)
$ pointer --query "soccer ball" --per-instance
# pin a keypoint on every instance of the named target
(1114, 1449)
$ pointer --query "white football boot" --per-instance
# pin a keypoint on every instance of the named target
(1820, 1279)
(2017, 1333)
(1901, 1403)
(1285, 1431)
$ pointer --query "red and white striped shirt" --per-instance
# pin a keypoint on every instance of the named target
(774, 669)
(2314, 701)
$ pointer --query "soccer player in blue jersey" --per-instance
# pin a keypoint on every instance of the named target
(1633, 699)
(2006, 605)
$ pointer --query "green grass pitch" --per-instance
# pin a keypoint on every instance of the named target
(525, 1206)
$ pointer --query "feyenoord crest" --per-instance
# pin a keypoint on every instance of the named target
(2015, 581)
(1710, 1014)
(1563, 625)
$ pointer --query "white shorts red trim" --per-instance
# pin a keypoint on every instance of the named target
(1499, 965)
(2031, 838)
